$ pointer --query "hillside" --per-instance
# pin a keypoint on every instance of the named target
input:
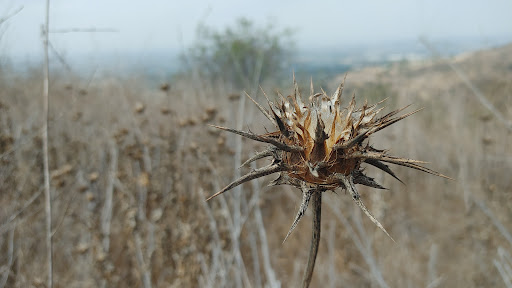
(131, 165)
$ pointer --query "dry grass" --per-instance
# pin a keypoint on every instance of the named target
(131, 166)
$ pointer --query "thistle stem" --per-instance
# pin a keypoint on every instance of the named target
(315, 238)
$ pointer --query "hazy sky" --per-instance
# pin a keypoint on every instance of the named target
(168, 25)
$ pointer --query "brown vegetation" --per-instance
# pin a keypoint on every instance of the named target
(131, 166)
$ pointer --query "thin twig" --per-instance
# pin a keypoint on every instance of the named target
(146, 277)
(357, 239)
(86, 30)
(106, 213)
(238, 191)
(216, 250)
(60, 57)
(46, 104)
(331, 249)
(253, 244)
(238, 218)
(17, 213)
(5, 18)
(432, 261)
(503, 264)
(204, 280)
(10, 252)
(258, 218)
(368, 254)
(494, 219)
(66, 210)
(227, 214)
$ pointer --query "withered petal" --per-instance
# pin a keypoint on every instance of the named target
(306, 196)
(383, 167)
(262, 110)
(259, 155)
(349, 185)
(360, 178)
(255, 137)
(267, 170)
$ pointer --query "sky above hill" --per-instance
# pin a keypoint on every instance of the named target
(170, 25)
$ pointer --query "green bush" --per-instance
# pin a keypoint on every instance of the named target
(243, 55)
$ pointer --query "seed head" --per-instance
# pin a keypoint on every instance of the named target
(323, 145)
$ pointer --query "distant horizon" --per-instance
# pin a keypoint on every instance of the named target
(470, 42)
(161, 63)
(160, 25)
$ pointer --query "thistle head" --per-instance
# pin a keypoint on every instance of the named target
(321, 144)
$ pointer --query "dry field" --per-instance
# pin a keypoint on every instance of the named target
(132, 164)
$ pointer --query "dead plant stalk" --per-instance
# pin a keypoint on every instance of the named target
(320, 146)
(47, 192)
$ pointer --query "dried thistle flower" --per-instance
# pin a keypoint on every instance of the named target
(320, 146)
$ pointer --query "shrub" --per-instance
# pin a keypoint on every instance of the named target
(242, 54)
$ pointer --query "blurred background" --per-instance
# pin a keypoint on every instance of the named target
(133, 85)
